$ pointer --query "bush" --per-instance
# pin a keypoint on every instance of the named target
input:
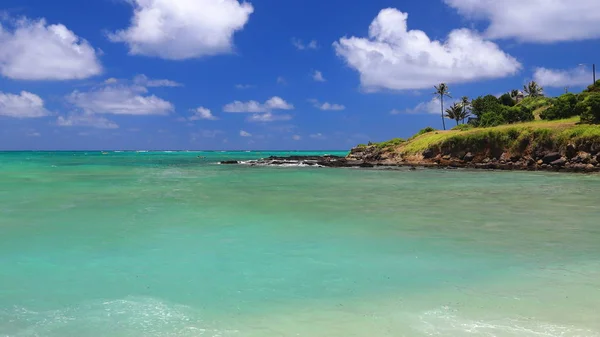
(487, 104)
(506, 100)
(463, 127)
(563, 107)
(594, 87)
(389, 143)
(489, 119)
(422, 132)
(589, 109)
(517, 114)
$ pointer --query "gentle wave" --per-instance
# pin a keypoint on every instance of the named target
(125, 317)
(446, 322)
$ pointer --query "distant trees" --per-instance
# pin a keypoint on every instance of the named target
(442, 91)
(563, 107)
(455, 112)
(466, 106)
(532, 89)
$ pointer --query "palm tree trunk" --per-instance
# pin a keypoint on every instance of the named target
(457, 120)
(443, 121)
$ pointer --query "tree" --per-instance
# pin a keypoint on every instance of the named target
(514, 94)
(482, 105)
(563, 107)
(532, 89)
(442, 91)
(466, 105)
(455, 112)
(507, 100)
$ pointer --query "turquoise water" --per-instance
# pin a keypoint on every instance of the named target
(169, 244)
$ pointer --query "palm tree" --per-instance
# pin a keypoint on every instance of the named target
(442, 91)
(514, 94)
(455, 112)
(532, 89)
(466, 105)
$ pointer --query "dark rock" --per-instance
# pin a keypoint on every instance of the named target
(230, 162)
(515, 158)
(571, 151)
(530, 161)
(559, 162)
(469, 157)
(550, 157)
(595, 148)
(428, 154)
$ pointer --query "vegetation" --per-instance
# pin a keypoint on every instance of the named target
(532, 89)
(548, 133)
(442, 91)
(390, 143)
(455, 112)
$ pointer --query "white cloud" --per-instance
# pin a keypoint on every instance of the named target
(143, 80)
(111, 80)
(296, 137)
(120, 100)
(205, 134)
(245, 134)
(318, 76)
(430, 107)
(268, 117)
(33, 133)
(317, 136)
(244, 86)
(327, 106)
(23, 105)
(535, 20)
(301, 46)
(281, 80)
(562, 78)
(395, 58)
(274, 103)
(33, 50)
(183, 29)
(202, 113)
(87, 120)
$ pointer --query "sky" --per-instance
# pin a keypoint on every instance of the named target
(270, 74)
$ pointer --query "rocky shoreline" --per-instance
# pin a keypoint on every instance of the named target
(571, 159)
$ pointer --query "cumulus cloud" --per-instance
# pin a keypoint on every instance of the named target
(119, 100)
(143, 80)
(394, 57)
(202, 113)
(245, 134)
(268, 117)
(327, 106)
(183, 29)
(430, 107)
(34, 50)
(561, 78)
(23, 105)
(318, 76)
(301, 46)
(535, 20)
(274, 103)
(296, 137)
(86, 120)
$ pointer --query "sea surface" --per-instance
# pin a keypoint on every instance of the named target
(173, 244)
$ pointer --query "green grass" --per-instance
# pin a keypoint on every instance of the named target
(390, 143)
(514, 137)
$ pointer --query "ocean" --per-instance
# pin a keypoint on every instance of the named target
(173, 244)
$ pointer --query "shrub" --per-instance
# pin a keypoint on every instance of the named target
(563, 107)
(517, 114)
(594, 87)
(507, 100)
(463, 127)
(422, 132)
(389, 143)
(589, 109)
(487, 104)
(489, 119)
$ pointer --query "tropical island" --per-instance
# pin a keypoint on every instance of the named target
(516, 131)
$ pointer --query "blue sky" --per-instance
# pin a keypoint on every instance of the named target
(270, 74)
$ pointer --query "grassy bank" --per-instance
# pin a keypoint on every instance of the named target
(515, 138)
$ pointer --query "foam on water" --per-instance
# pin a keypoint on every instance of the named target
(143, 317)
